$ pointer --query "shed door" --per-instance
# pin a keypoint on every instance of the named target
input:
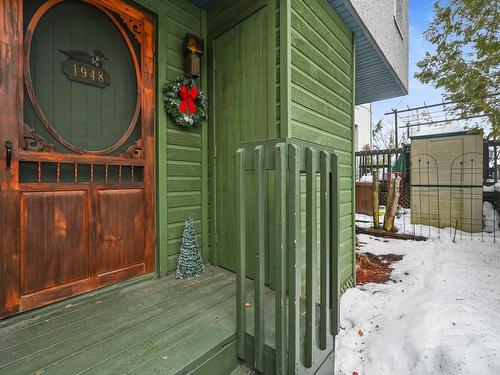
(80, 184)
(240, 116)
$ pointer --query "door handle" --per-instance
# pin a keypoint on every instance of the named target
(8, 157)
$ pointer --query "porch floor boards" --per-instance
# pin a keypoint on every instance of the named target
(242, 370)
(141, 326)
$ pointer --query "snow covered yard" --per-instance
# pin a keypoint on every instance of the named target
(440, 313)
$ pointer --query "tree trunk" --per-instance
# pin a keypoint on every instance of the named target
(392, 204)
(375, 192)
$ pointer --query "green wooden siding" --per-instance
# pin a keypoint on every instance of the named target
(317, 66)
(181, 154)
(275, 84)
(225, 16)
(240, 100)
(321, 105)
(184, 148)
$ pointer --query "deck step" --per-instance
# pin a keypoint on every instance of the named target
(191, 345)
(221, 362)
(165, 326)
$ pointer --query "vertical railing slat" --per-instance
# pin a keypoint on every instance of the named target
(311, 254)
(260, 276)
(241, 258)
(294, 276)
(335, 244)
(280, 256)
(324, 249)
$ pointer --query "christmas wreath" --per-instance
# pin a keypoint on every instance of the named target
(184, 102)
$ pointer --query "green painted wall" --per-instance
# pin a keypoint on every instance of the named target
(227, 17)
(182, 180)
(321, 97)
(240, 100)
(315, 105)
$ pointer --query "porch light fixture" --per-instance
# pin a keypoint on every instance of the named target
(193, 49)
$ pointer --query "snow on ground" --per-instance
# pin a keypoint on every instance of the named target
(365, 178)
(439, 315)
(491, 218)
(491, 221)
(492, 188)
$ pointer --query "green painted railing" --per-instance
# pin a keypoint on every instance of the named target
(298, 346)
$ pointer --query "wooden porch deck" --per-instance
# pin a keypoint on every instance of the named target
(143, 326)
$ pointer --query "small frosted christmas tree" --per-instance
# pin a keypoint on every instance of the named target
(190, 263)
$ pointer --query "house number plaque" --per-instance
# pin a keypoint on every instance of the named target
(86, 68)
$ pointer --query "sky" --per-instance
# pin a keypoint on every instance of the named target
(421, 13)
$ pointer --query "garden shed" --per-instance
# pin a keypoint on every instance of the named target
(447, 179)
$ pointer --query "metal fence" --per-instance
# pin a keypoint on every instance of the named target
(387, 162)
(461, 198)
(491, 156)
(384, 160)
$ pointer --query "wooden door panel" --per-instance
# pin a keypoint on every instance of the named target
(54, 239)
(10, 113)
(77, 203)
(120, 236)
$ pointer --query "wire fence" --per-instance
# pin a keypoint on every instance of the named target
(460, 197)
(491, 154)
(388, 163)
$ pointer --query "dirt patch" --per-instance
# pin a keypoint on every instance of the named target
(371, 268)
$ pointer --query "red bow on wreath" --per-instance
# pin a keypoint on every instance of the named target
(188, 97)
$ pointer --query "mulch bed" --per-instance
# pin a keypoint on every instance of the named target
(371, 268)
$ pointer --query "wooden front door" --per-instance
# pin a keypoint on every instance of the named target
(77, 156)
(241, 103)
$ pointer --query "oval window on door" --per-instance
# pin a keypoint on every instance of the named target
(81, 75)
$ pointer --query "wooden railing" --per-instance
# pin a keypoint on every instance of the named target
(298, 346)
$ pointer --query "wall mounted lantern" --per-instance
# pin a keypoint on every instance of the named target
(193, 49)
